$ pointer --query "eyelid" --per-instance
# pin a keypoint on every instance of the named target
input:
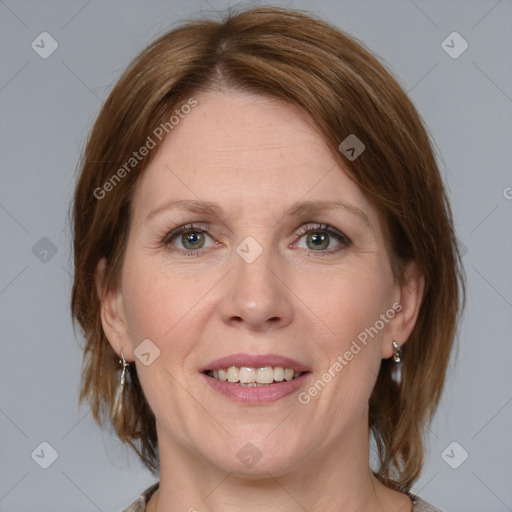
(343, 239)
(318, 226)
(169, 235)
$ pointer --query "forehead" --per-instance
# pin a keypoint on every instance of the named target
(244, 149)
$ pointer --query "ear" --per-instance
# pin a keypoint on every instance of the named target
(113, 317)
(408, 299)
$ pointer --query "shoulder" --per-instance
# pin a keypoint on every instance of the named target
(139, 505)
(422, 506)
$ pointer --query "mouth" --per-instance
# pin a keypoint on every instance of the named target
(255, 379)
(249, 376)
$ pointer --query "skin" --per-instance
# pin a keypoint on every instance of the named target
(254, 157)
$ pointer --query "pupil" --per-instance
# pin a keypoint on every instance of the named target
(192, 239)
(319, 240)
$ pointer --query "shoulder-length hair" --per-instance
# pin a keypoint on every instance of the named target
(310, 64)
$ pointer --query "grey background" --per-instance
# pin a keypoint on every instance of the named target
(47, 108)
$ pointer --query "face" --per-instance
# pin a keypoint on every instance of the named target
(251, 255)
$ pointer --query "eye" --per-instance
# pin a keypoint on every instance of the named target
(191, 238)
(320, 238)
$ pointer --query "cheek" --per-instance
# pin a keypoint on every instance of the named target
(159, 306)
(164, 305)
(154, 301)
(352, 302)
(147, 311)
(351, 306)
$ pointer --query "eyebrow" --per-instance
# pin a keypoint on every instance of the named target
(300, 208)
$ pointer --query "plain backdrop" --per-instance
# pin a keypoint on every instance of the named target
(47, 107)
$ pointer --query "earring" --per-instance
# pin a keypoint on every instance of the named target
(397, 352)
(117, 407)
(396, 372)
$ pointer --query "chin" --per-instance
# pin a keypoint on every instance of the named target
(258, 460)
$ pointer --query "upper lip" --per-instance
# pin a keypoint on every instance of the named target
(255, 361)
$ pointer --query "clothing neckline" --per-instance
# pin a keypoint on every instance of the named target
(146, 496)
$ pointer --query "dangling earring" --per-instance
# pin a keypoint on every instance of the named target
(117, 407)
(396, 372)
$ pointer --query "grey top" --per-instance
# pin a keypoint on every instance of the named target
(140, 504)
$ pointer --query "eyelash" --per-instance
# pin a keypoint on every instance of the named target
(342, 238)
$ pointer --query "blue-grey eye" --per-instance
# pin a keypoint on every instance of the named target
(317, 240)
(193, 240)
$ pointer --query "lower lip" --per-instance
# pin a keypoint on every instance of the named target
(256, 394)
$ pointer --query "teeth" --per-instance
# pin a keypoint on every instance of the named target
(288, 374)
(265, 375)
(233, 374)
(248, 376)
(279, 373)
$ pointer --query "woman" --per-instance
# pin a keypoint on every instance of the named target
(259, 228)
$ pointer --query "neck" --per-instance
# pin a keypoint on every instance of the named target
(338, 478)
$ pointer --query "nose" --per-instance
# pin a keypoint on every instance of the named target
(256, 295)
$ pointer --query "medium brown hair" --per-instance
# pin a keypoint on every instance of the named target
(344, 90)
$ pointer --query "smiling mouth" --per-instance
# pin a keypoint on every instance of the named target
(251, 377)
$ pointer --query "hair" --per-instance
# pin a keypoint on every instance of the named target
(307, 63)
